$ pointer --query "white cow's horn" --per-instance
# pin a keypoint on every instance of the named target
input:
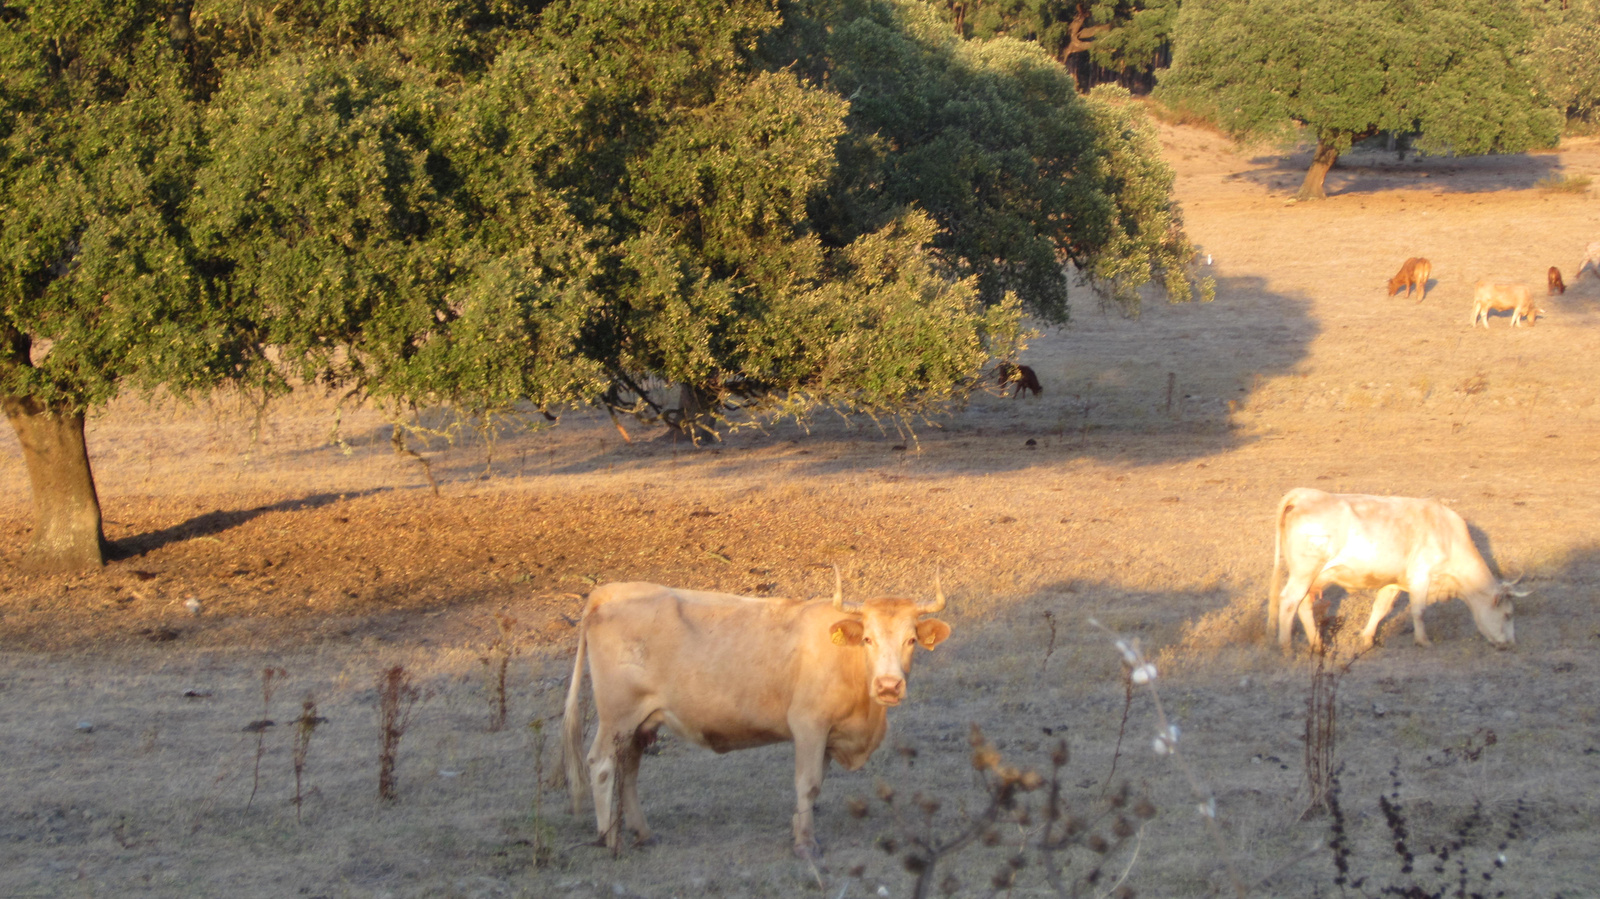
(938, 597)
(838, 590)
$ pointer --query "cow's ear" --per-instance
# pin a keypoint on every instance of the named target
(847, 632)
(932, 632)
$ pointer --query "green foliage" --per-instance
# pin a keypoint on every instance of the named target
(98, 145)
(485, 202)
(1566, 54)
(1456, 71)
(990, 138)
(1120, 35)
(664, 185)
(1145, 236)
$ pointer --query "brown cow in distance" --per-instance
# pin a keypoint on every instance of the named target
(1414, 273)
(1557, 286)
(1020, 375)
(733, 672)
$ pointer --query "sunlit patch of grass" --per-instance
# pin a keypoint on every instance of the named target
(1564, 184)
(1239, 623)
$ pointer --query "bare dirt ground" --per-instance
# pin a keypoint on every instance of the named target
(1139, 489)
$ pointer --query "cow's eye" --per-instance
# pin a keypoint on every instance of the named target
(867, 641)
(910, 640)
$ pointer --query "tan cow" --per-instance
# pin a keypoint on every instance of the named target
(1386, 543)
(733, 672)
(1414, 272)
(1553, 279)
(1491, 296)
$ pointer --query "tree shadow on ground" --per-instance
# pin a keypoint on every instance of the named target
(217, 521)
(1371, 171)
(1159, 388)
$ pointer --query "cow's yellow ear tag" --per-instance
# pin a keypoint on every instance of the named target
(838, 636)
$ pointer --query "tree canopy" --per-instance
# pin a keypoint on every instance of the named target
(1458, 72)
(495, 204)
(1126, 36)
(989, 138)
(1566, 51)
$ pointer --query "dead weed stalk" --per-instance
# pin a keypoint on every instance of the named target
(269, 676)
(1142, 672)
(397, 697)
(1321, 734)
(496, 661)
(543, 832)
(1048, 831)
(1441, 870)
(304, 727)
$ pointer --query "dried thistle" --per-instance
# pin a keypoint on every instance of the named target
(269, 677)
(304, 727)
(496, 662)
(397, 696)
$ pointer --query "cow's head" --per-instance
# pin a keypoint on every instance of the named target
(1494, 618)
(888, 629)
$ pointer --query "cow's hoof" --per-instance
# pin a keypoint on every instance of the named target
(808, 853)
(646, 840)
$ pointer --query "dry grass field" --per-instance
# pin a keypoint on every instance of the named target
(1138, 490)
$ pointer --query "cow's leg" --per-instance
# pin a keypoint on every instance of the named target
(1419, 602)
(1295, 600)
(613, 776)
(1308, 620)
(810, 761)
(628, 783)
(602, 783)
(1380, 608)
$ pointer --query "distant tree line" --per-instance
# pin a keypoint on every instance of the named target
(1462, 76)
(539, 204)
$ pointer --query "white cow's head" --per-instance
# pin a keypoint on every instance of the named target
(1493, 617)
(888, 629)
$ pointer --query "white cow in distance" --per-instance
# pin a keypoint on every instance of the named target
(1383, 543)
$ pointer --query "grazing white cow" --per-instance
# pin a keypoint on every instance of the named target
(733, 672)
(1386, 543)
(1489, 296)
(1591, 262)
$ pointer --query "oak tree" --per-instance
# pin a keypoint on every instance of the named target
(1456, 72)
(491, 205)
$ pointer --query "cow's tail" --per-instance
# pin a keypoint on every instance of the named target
(575, 766)
(1277, 569)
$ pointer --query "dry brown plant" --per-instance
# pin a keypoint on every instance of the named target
(496, 662)
(397, 697)
(269, 678)
(304, 727)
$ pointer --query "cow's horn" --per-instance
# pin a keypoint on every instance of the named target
(838, 590)
(938, 597)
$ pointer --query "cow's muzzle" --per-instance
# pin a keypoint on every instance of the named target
(889, 690)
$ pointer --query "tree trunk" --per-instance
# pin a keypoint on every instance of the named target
(67, 533)
(1327, 154)
(692, 418)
